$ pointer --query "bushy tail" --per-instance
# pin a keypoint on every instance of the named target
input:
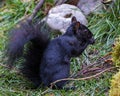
(23, 33)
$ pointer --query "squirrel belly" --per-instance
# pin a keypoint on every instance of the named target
(47, 60)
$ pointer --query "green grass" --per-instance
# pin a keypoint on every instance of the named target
(105, 27)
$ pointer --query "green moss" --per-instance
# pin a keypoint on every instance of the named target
(115, 85)
(116, 53)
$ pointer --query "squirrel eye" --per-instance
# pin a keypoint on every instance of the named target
(86, 31)
(71, 43)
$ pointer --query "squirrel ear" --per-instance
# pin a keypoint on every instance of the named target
(77, 25)
(73, 19)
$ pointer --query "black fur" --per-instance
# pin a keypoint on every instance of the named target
(23, 33)
(48, 60)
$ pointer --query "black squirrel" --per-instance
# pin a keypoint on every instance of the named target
(47, 60)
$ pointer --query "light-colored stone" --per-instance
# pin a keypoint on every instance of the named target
(89, 6)
(59, 17)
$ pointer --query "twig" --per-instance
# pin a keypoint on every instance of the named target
(4, 65)
(86, 68)
(14, 69)
(38, 6)
(110, 53)
(103, 61)
(93, 76)
(46, 91)
(91, 70)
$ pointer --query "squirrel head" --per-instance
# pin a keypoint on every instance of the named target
(81, 31)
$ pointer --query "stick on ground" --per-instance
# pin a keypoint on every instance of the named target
(37, 8)
(86, 78)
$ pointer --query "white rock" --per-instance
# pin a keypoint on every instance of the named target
(59, 17)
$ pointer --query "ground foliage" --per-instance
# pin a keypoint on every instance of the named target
(105, 26)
